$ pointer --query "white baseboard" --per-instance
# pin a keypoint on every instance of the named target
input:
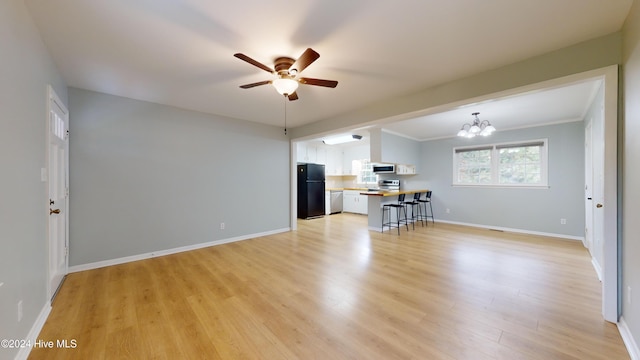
(628, 339)
(34, 332)
(126, 259)
(597, 267)
(521, 231)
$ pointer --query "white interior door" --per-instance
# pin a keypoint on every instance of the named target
(58, 170)
(597, 193)
(588, 186)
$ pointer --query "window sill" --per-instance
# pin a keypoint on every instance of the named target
(502, 186)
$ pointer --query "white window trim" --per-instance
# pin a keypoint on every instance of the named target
(544, 164)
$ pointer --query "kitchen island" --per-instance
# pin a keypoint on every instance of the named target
(378, 198)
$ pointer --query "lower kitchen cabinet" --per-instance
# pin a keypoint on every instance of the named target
(353, 202)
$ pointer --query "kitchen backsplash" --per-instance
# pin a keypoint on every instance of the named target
(342, 182)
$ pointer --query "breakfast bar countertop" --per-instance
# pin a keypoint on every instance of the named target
(392, 193)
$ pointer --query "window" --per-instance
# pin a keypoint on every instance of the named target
(509, 164)
(364, 172)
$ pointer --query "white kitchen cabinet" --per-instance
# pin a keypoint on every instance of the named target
(349, 201)
(355, 203)
(327, 202)
(311, 154)
(321, 155)
(333, 162)
(402, 169)
(363, 204)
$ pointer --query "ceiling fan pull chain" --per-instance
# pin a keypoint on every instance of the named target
(285, 113)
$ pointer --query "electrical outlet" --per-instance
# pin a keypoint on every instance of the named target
(448, 211)
(563, 221)
(221, 226)
(19, 310)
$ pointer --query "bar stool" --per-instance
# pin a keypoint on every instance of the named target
(386, 208)
(425, 201)
(415, 205)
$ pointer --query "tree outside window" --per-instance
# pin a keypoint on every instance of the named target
(508, 164)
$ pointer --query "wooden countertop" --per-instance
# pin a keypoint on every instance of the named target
(392, 193)
(347, 188)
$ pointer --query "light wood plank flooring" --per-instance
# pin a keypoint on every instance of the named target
(334, 290)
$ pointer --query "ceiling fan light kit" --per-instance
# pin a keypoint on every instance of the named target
(482, 128)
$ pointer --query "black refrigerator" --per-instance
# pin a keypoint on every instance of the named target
(310, 190)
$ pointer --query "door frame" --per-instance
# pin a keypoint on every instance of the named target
(610, 275)
(52, 97)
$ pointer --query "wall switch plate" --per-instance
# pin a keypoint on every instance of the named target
(629, 294)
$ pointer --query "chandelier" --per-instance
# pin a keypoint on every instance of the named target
(478, 127)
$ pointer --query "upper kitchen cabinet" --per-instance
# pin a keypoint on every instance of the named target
(403, 169)
(311, 154)
(331, 157)
(337, 159)
(334, 164)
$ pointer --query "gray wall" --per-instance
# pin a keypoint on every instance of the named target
(631, 171)
(400, 150)
(25, 71)
(147, 177)
(537, 210)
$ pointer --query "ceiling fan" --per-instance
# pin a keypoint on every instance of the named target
(286, 69)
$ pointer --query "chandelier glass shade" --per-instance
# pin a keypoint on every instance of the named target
(477, 127)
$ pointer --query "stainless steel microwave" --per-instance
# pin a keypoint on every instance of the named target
(384, 168)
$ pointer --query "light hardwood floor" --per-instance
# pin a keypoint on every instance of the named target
(334, 290)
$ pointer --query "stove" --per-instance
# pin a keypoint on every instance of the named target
(388, 185)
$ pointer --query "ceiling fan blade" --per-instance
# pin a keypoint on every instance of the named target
(308, 57)
(293, 96)
(254, 62)
(318, 82)
(248, 86)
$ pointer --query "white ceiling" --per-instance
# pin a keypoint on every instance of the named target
(180, 52)
(541, 107)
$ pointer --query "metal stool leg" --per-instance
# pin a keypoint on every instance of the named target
(433, 221)
(398, 219)
(384, 210)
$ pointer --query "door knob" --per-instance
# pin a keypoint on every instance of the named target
(599, 206)
(54, 211)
